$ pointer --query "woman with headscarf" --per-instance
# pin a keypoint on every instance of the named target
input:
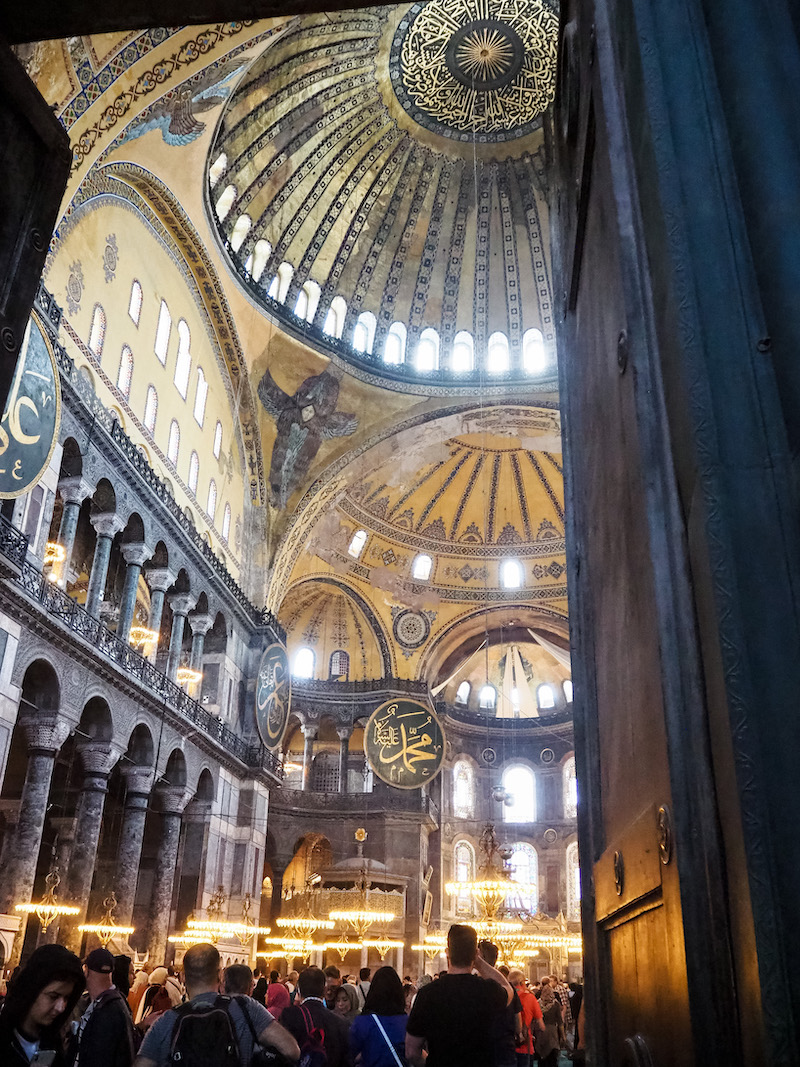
(378, 1035)
(37, 1006)
(157, 998)
(277, 998)
(548, 1042)
(345, 1002)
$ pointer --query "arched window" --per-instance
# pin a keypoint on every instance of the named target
(511, 574)
(570, 784)
(497, 354)
(364, 332)
(462, 693)
(241, 228)
(567, 687)
(174, 442)
(135, 303)
(421, 570)
(212, 499)
(225, 202)
(427, 357)
(519, 783)
(308, 301)
(534, 358)
(183, 364)
(194, 472)
(226, 523)
(217, 169)
(279, 286)
(125, 373)
(257, 259)
(97, 334)
(303, 666)
(463, 790)
(151, 409)
(524, 867)
(545, 697)
(357, 542)
(462, 360)
(573, 883)
(217, 439)
(463, 871)
(487, 698)
(163, 331)
(201, 392)
(334, 320)
(339, 666)
(394, 347)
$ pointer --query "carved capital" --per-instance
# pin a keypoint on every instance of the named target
(181, 603)
(201, 624)
(137, 779)
(159, 579)
(344, 733)
(171, 799)
(136, 553)
(107, 523)
(98, 757)
(310, 730)
(75, 490)
(46, 733)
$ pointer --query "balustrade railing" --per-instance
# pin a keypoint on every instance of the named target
(61, 606)
(13, 543)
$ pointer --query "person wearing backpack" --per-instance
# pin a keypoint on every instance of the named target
(211, 1030)
(323, 1036)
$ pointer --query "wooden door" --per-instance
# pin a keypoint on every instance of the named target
(660, 984)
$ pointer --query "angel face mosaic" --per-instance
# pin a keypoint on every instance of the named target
(404, 743)
(473, 69)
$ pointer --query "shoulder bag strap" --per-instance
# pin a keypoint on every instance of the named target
(241, 1003)
(392, 1049)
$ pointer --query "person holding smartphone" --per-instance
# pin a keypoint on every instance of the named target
(38, 1004)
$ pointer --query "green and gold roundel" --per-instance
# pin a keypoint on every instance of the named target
(404, 743)
(30, 423)
(273, 695)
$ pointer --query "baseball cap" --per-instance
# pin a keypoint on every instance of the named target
(100, 960)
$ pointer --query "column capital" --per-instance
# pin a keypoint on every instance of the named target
(310, 730)
(138, 779)
(98, 757)
(45, 734)
(75, 490)
(136, 553)
(344, 733)
(181, 603)
(172, 799)
(201, 624)
(159, 578)
(107, 523)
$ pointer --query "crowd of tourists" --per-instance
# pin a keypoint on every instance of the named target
(59, 1012)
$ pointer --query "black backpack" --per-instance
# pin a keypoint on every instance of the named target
(204, 1035)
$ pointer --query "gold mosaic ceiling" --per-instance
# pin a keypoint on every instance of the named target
(323, 161)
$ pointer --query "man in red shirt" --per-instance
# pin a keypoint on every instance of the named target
(531, 1019)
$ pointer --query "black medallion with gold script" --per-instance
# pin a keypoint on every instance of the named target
(29, 427)
(404, 743)
(273, 695)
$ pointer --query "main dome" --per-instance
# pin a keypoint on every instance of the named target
(392, 217)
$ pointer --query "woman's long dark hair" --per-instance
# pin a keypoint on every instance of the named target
(385, 996)
(50, 963)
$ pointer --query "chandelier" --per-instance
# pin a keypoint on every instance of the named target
(383, 945)
(494, 885)
(361, 919)
(107, 929)
(141, 636)
(48, 907)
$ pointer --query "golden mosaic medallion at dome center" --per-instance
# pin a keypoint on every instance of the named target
(469, 69)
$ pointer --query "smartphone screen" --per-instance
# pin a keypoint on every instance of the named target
(44, 1058)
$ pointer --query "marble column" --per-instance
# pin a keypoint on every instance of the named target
(310, 734)
(343, 733)
(159, 579)
(181, 604)
(73, 492)
(138, 783)
(97, 758)
(135, 556)
(200, 625)
(107, 524)
(171, 801)
(45, 734)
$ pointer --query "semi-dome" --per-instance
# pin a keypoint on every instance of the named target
(391, 214)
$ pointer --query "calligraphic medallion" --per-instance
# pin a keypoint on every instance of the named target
(404, 743)
(30, 423)
(273, 694)
(474, 69)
